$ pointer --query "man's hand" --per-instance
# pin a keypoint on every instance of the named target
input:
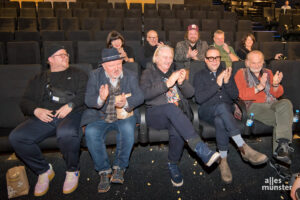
(227, 74)
(63, 111)
(172, 79)
(295, 186)
(277, 78)
(159, 44)
(277, 56)
(103, 92)
(226, 48)
(263, 80)
(182, 76)
(120, 101)
(220, 78)
(43, 114)
(192, 53)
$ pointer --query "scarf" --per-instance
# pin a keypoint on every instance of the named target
(111, 108)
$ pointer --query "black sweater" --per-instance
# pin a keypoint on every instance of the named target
(208, 92)
(35, 96)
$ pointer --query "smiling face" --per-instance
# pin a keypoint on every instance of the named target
(219, 39)
(59, 61)
(193, 36)
(249, 42)
(113, 69)
(213, 59)
(164, 59)
(117, 43)
(255, 61)
(152, 38)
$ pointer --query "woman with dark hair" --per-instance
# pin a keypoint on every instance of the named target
(116, 40)
(246, 46)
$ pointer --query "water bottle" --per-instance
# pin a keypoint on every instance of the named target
(249, 121)
(296, 117)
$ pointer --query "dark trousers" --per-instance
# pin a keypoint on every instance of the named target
(169, 116)
(26, 137)
(221, 117)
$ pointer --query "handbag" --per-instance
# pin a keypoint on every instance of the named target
(17, 182)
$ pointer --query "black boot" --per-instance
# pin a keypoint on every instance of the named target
(282, 151)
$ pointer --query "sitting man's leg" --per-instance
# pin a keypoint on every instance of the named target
(282, 133)
(279, 115)
(25, 139)
(185, 128)
(125, 141)
(176, 145)
(69, 143)
(95, 134)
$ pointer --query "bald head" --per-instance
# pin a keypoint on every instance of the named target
(255, 61)
(152, 37)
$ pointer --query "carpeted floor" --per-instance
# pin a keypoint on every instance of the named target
(148, 177)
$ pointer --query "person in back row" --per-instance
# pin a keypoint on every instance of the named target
(166, 92)
(227, 53)
(192, 48)
(215, 91)
(150, 46)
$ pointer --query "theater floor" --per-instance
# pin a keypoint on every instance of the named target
(148, 177)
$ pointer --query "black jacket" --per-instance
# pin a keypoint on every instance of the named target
(72, 79)
(208, 92)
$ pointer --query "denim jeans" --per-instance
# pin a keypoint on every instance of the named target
(26, 137)
(168, 116)
(221, 117)
(95, 134)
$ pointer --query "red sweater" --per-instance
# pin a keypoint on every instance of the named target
(248, 93)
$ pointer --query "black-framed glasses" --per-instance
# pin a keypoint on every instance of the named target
(211, 59)
(62, 55)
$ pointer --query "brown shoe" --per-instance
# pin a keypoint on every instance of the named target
(225, 171)
(254, 157)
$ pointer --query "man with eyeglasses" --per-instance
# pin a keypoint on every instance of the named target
(192, 48)
(215, 91)
(54, 101)
(227, 53)
(152, 42)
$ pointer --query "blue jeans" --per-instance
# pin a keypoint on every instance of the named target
(221, 117)
(95, 134)
(26, 137)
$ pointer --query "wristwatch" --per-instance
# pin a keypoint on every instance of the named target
(71, 105)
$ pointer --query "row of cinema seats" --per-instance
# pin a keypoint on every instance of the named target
(128, 24)
(111, 12)
(105, 4)
(13, 79)
(29, 52)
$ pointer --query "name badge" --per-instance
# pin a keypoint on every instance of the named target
(54, 98)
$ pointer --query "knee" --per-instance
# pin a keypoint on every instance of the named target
(218, 122)
(90, 132)
(67, 133)
(286, 104)
(223, 108)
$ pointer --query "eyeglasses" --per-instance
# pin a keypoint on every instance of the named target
(152, 38)
(62, 55)
(211, 59)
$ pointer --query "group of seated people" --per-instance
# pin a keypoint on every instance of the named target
(63, 100)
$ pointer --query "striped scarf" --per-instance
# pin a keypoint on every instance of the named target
(111, 108)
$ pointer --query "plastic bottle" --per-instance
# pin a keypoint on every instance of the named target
(296, 117)
(249, 121)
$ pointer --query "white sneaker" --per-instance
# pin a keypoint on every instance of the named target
(71, 182)
(42, 185)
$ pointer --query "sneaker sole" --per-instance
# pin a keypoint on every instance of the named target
(104, 190)
(213, 159)
(117, 181)
(177, 184)
(74, 188)
(256, 163)
(51, 176)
